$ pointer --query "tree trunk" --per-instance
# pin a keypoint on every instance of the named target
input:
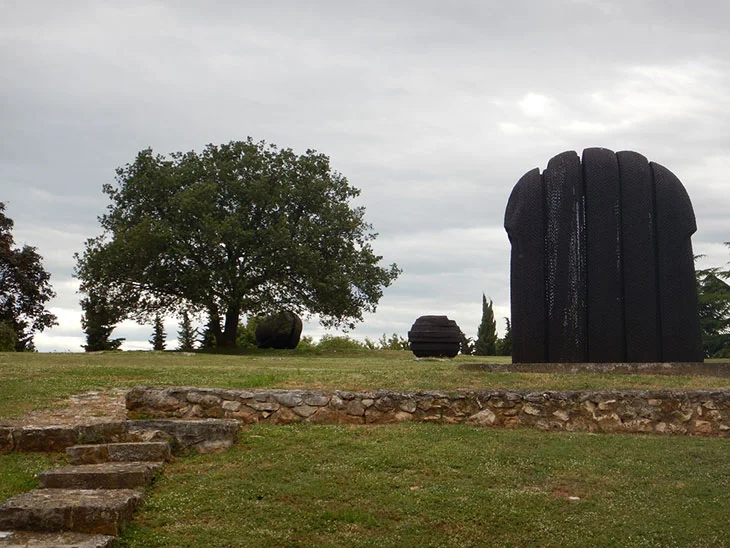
(227, 338)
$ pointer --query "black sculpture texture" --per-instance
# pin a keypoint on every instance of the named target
(280, 331)
(602, 267)
(434, 336)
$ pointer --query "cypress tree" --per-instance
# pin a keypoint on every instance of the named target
(186, 336)
(98, 321)
(486, 343)
(504, 345)
(158, 335)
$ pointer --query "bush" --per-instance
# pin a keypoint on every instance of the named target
(339, 343)
(8, 339)
(246, 338)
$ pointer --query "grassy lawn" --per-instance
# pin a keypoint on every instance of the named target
(430, 485)
(32, 380)
(396, 485)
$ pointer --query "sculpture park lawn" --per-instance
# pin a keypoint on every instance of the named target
(395, 485)
(32, 380)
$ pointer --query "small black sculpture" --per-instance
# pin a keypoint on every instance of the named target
(602, 267)
(434, 336)
(281, 330)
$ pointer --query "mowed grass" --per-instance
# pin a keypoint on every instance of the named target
(33, 380)
(395, 485)
(432, 485)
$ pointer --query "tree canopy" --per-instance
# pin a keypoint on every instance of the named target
(714, 308)
(240, 227)
(25, 288)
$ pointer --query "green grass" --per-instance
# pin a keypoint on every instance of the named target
(430, 485)
(32, 380)
(18, 471)
(396, 485)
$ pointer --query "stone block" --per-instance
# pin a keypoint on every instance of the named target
(355, 408)
(288, 399)
(83, 510)
(408, 405)
(87, 454)
(200, 435)
(316, 400)
(231, 406)
(139, 452)
(304, 410)
(485, 416)
(108, 475)
(45, 438)
(263, 405)
(65, 539)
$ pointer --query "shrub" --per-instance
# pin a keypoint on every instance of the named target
(339, 343)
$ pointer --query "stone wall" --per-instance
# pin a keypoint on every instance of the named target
(705, 413)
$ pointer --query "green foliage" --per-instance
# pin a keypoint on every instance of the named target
(486, 343)
(187, 334)
(466, 344)
(504, 345)
(98, 321)
(207, 337)
(158, 335)
(247, 333)
(242, 227)
(394, 342)
(339, 343)
(25, 288)
(8, 339)
(714, 309)
(306, 344)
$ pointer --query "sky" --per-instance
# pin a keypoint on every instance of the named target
(432, 109)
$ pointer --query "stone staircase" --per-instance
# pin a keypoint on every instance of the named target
(85, 504)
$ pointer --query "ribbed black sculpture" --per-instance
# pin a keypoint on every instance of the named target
(434, 336)
(281, 330)
(602, 264)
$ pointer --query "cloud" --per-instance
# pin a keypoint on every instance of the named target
(433, 112)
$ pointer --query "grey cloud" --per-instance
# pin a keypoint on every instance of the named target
(434, 110)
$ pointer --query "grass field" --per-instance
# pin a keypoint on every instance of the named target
(33, 380)
(396, 485)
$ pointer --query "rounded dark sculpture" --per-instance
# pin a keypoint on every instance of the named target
(281, 330)
(434, 336)
(602, 264)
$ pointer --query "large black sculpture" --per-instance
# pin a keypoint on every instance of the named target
(602, 264)
(434, 336)
(280, 331)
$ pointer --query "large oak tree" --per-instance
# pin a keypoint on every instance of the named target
(242, 227)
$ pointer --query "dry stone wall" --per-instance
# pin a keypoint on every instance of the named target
(705, 413)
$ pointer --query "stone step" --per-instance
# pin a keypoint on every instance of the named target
(98, 511)
(156, 451)
(66, 539)
(59, 437)
(108, 475)
(187, 435)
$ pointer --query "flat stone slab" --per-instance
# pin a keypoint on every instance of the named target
(56, 438)
(200, 435)
(67, 539)
(157, 451)
(107, 475)
(98, 511)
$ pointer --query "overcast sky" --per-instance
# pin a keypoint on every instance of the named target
(433, 109)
